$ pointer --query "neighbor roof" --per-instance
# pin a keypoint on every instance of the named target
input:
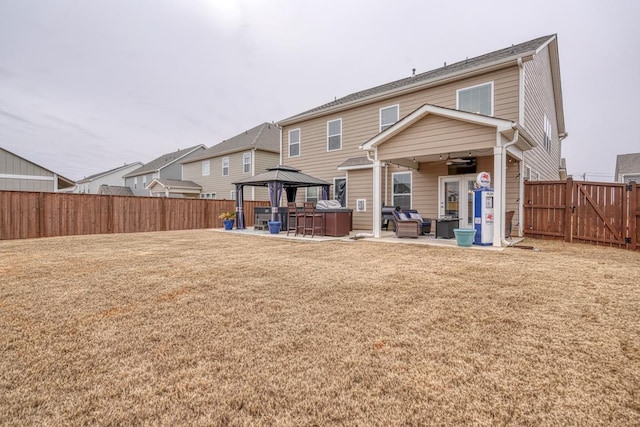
(63, 182)
(115, 190)
(174, 183)
(627, 164)
(499, 56)
(163, 161)
(101, 174)
(265, 136)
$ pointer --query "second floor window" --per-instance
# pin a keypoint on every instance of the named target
(388, 116)
(547, 133)
(206, 168)
(294, 143)
(246, 163)
(225, 166)
(334, 135)
(476, 99)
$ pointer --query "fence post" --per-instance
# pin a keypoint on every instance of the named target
(634, 214)
(568, 210)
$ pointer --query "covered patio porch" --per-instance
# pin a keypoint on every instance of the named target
(437, 152)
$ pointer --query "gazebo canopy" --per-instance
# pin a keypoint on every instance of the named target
(288, 176)
(277, 178)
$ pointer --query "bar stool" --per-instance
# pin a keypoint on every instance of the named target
(312, 220)
(292, 218)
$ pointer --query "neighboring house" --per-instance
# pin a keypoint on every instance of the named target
(166, 166)
(20, 174)
(113, 177)
(627, 168)
(244, 155)
(174, 188)
(420, 142)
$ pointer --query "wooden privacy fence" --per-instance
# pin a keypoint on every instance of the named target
(578, 211)
(25, 215)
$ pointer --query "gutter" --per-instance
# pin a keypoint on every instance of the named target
(503, 183)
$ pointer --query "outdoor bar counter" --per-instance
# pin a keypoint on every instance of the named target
(336, 222)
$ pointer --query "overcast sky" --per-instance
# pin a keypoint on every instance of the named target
(88, 85)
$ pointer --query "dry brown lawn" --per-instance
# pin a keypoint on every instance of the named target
(211, 328)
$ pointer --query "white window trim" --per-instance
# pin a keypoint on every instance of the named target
(208, 168)
(397, 107)
(473, 87)
(338, 134)
(306, 193)
(527, 173)
(244, 163)
(299, 142)
(393, 193)
(225, 160)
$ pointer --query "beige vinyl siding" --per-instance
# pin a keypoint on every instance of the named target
(362, 123)
(434, 135)
(223, 185)
(512, 193)
(14, 165)
(360, 186)
(538, 101)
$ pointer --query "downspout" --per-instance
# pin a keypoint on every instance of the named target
(503, 183)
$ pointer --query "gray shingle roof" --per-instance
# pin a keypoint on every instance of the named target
(162, 161)
(115, 190)
(356, 161)
(177, 183)
(100, 174)
(627, 164)
(265, 136)
(501, 55)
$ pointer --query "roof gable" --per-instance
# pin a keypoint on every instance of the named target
(265, 136)
(163, 161)
(109, 172)
(461, 68)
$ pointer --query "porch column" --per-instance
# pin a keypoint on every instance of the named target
(377, 202)
(499, 183)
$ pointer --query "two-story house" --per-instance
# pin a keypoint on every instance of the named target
(420, 142)
(247, 154)
(20, 174)
(93, 184)
(166, 166)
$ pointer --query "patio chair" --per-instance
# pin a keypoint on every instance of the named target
(406, 226)
(426, 222)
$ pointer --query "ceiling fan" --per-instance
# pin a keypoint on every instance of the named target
(459, 160)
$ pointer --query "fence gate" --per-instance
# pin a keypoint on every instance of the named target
(590, 212)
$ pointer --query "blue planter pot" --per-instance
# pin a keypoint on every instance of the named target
(464, 236)
(274, 227)
(228, 224)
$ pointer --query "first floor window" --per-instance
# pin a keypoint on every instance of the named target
(311, 194)
(135, 182)
(232, 195)
(225, 166)
(206, 168)
(477, 99)
(527, 173)
(246, 163)
(402, 190)
(294, 143)
(388, 116)
(334, 135)
(547, 133)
